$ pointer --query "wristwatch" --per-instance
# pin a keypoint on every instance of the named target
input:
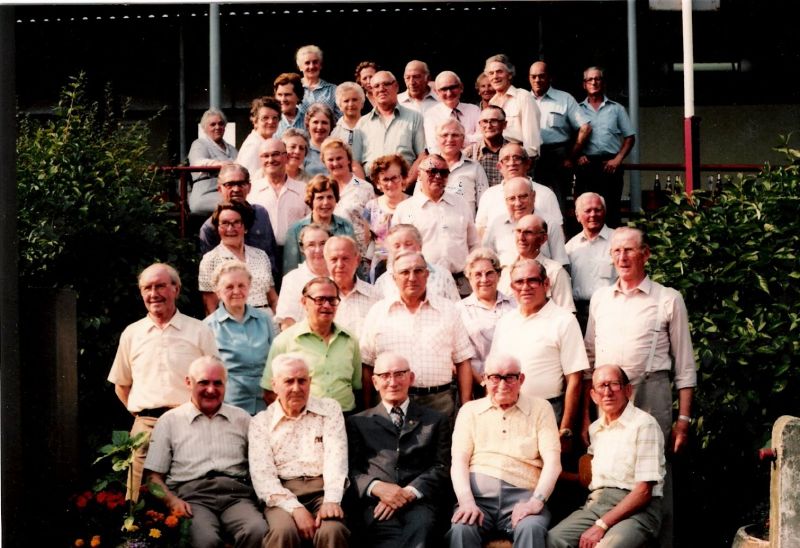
(601, 524)
(539, 496)
(565, 433)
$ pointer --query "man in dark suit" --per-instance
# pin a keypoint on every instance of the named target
(399, 458)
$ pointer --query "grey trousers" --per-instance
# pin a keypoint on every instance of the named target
(496, 499)
(632, 532)
(223, 503)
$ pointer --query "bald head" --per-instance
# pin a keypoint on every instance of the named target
(519, 197)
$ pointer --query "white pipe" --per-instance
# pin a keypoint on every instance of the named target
(214, 79)
(688, 59)
(634, 177)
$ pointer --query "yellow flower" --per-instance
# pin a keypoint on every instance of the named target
(95, 541)
(155, 533)
(79, 542)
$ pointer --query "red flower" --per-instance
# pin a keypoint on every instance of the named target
(171, 521)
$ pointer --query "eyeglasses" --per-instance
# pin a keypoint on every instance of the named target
(235, 184)
(490, 121)
(379, 85)
(396, 375)
(512, 160)
(614, 386)
(625, 251)
(231, 224)
(488, 274)
(271, 155)
(322, 299)
(519, 283)
(437, 172)
(454, 87)
(538, 76)
(390, 179)
(495, 378)
(593, 79)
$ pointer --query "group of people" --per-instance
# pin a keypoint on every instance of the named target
(375, 364)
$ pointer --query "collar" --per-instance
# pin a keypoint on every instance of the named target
(606, 101)
(303, 328)
(221, 314)
(374, 112)
(627, 417)
(472, 300)
(191, 412)
(313, 406)
(524, 404)
(645, 286)
(605, 234)
(403, 406)
(177, 321)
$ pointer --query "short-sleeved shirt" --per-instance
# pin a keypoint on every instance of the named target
(507, 444)
(289, 306)
(154, 362)
(260, 235)
(335, 366)
(468, 180)
(480, 322)
(354, 306)
(610, 125)
(352, 137)
(493, 204)
(428, 102)
(627, 451)
(466, 113)
(292, 255)
(324, 93)
(403, 135)
(559, 116)
(547, 344)
(257, 263)
(590, 262)
(285, 207)
(186, 445)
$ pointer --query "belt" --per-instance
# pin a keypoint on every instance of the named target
(553, 146)
(211, 474)
(154, 413)
(425, 390)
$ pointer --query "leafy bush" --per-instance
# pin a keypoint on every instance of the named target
(91, 216)
(734, 257)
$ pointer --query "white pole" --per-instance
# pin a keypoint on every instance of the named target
(635, 176)
(214, 79)
(688, 59)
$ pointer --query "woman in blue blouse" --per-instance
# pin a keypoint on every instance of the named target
(244, 335)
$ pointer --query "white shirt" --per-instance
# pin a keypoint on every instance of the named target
(285, 207)
(248, 153)
(468, 180)
(560, 283)
(522, 119)
(590, 263)
(500, 237)
(493, 204)
(289, 306)
(447, 228)
(354, 307)
(467, 113)
(547, 344)
(428, 102)
(440, 284)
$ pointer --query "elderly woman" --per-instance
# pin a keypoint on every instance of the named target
(312, 241)
(322, 194)
(296, 142)
(350, 100)
(209, 149)
(522, 113)
(244, 335)
(364, 72)
(354, 193)
(481, 310)
(389, 174)
(317, 90)
(232, 221)
(484, 89)
(265, 114)
(467, 177)
(319, 123)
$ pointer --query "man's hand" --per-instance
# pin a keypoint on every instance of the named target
(612, 165)
(382, 512)
(521, 510)
(591, 537)
(306, 525)
(469, 514)
(178, 506)
(392, 495)
(329, 510)
(583, 160)
(680, 437)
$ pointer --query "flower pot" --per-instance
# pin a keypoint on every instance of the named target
(744, 539)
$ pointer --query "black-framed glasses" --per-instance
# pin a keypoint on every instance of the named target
(519, 283)
(235, 184)
(231, 224)
(614, 386)
(437, 171)
(490, 121)
(322, 299)
(495, 378)
(396, 375)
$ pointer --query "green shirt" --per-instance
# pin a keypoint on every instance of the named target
(335, 367)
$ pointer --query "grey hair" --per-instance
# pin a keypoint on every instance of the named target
(282, 362)
(197, 366)
(346, 87)
(481, 254)
(212, 112)
(501, 58)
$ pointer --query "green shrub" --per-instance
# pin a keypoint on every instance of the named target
(734, 257)
(91, 216)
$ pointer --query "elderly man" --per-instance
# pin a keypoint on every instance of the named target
(624, 506)
(198, 455)
(545, 338)
(342, 258)
(467, 178)
(282, 196)
(154, 355)
(501, 235)
(418, 95)
(390, 128)
(298, 461)
(589, 253)
(564, 129)
(612, 138)
(399, 456)
(233, 183)
(501, 484)
(403, 238)
(444, 220)
(449, 88)
(643, 327)
(486, 148)
(288, 90)
(331, 352)
(427, 331)
(530, 233)
(514, 162)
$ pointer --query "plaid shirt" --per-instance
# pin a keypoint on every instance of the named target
(488, 161)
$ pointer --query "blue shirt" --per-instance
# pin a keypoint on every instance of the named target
(313, 164)
(299, 121)
(559, 116)
(610, 125)
(291, 248)
(243, 348)
(325, 93)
